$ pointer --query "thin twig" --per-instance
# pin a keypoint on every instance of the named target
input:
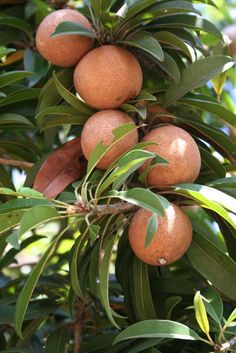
(15, 163)
(102, 210)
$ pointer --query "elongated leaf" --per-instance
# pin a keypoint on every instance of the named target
(58, 340)
(60, 169)
(24, 192)
(196, 75)
(200, 313)
(10, 220)
(212, 163)
(214, 265)
(69, 28)
(173, 40)
(19, 204)
(143, 198)
(170, 304)
(23, 95)
(70, 98)
(142, 297)
(151, 229)
(8, 78)
(231, 318)
(63, 115)
(15, 120)
(16, 23)
(27, 291)
(170, 67)
(104, 279)
(184, 20)
(35, 216)
(157, 328)
(213, 304)
(145, 42)
(210, 105)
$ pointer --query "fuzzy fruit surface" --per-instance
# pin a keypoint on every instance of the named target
(181, 151)
(172, 239)
(99, 128)
(230, 31)
(107, 77)
(65, 50)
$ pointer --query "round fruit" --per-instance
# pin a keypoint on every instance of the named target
(179, 149)
(99, 128)
(62, 50)
(171, 240)
(107, 77)
(230, 31)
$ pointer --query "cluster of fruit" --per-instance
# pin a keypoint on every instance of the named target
(106, 77)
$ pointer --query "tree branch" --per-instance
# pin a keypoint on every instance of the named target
(15, 163)
(226, 346)
(102, 210)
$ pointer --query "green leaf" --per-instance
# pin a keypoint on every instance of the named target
(209, 104)
(10, 220)
(210, 198)
(69, 28)
(100, 150)
(8, 78)
(27, 291)
(212, 163)
(200, 313)
(22, 95)
(231, 318)
(142, 297)
(170, 67)
(58, 115)
(13, 240)
(138, 6)
(36, 216)
(173, 40)
(157, 328)
(141, 111)
(24, 192)
(213, 304)
(151, 229)
(14, 119)
(71, 99)
(214, 265)
(146, 42)
(196, 75)
(185, 20)
(58, 340)
(104, 278)
(170, 304)
(93, 232)
(16, 23)
(143, 198)
(19, 204)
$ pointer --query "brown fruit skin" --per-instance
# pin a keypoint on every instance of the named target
(230, 31)
(66, 50)
(107, 77)
(99, 127)
(172, 239)
(179, 149)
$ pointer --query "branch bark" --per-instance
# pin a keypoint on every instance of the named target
(15, 163)
(102, 210)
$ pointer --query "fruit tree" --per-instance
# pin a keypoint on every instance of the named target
(117, 177)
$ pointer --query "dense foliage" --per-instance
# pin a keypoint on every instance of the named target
(70, 281)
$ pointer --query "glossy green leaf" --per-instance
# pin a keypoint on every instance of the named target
(146, 42)
(58, 340)
(214, 265)
(173, 40)
(200, 313)
(151, 229)
(212, 163)
(16, 22)
(10, 220)
(213, 304)
(142, 297)
(170, 304)
(196, 75)
(8, 78)
(231, 318)
(143, 198)
(27, 291)
(72, 28)
(71, 99)
(22, 95)
(15, 120)
(157, 328)
(170, 67)
(36, 216)
(19, 204)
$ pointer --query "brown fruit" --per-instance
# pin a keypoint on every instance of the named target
(99, 128)
(230, 31)
(66, 50)
(172, 238)
(179, 149)
(107, 77)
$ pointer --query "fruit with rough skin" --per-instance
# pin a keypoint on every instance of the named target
(107, 77)
(99, 128)
(181, 151)
(64, 50)
(171, 240)
(230, 31)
